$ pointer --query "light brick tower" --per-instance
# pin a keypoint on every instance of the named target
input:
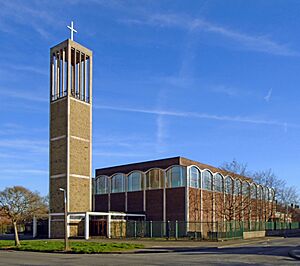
(70, 135)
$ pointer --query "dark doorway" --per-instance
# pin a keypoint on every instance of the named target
(98, 228)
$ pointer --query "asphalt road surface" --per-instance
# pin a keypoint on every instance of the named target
(261, 252)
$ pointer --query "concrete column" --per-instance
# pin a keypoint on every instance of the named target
(69, 57)
(63, 72)
(201, 204)
(34, 227)
(52, 92)
(84, 77)
(87, 226)
(90, 79)
(79, 76)
(68, 227)
(109, 226)
(49, 226)
(57, 74)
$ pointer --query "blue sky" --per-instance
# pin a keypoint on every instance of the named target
(208, 80)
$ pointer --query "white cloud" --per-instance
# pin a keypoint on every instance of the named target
(225, 118)
(259, 43)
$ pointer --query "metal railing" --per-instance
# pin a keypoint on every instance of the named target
(193, 230)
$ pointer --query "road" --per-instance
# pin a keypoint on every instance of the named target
(257, 252)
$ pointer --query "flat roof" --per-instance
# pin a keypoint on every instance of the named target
(163, 164)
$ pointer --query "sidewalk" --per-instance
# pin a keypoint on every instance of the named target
(166, 246)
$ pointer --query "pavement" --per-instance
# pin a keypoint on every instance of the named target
(266, 251)
(295, 253)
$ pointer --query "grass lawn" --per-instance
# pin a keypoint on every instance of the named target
(76, 246)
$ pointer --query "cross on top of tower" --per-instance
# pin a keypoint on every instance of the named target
(72, 30)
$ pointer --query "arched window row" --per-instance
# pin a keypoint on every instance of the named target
(156, 178)
(206, 180)
(178, 176)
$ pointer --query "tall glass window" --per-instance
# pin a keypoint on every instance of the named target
(218, 183)
(265, 193)
(118, 183)
(176, 176)
(259, 192)
(207, 179)
(228, 185)
(101, 184)
(194, 177)
(237, 187)
(246, 188)
(253, 191)
(135, 181)
(271, 194)
(155, 179)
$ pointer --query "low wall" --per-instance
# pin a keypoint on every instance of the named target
(283, 232)
(254, 234)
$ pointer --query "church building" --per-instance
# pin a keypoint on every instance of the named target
(171, 189)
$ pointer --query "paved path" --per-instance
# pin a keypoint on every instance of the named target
(258, 252)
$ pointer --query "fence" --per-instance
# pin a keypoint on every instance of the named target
(9, 229)
(192, 230)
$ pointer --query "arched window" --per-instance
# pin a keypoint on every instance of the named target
(176, 176)
(218, 183)
(246, 188)
(265, 193)
(155, 179)
(237, 187)
(135, 181)
(194, 177)
(228, 185)
(253, 191)
(259, 192)
(117, 183)
(101, 184)
(271, 194)
(207, 180)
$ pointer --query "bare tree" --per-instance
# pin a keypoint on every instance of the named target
(20, 204)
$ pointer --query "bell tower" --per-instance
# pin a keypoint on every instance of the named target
(70, 145)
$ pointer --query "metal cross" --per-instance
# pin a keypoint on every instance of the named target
(72, 30)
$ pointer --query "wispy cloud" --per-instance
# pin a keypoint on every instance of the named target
(259, 43)
(26, 68)
(239, 119)
(35, 146)
(22, 95)
(268, 96)
(35, 15)
(118, 154)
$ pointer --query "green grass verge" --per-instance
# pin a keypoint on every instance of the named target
(76, 246)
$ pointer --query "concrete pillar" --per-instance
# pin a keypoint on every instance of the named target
(80, 76)
(87, 226)
(34, 227)
(63, 73)
(49, 226)
(68, 227)
(109, 226)
(84, 77)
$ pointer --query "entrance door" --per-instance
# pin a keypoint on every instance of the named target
(98, 228)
